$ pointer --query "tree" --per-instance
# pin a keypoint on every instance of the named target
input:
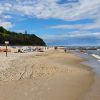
(19, 38)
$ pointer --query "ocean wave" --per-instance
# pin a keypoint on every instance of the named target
(96, 56)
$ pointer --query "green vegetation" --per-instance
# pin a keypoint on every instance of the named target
(19, 38)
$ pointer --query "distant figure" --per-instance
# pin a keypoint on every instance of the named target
(19, 51)
(55, 47)
(65, 50)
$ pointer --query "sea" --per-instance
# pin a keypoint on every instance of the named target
(92, 59)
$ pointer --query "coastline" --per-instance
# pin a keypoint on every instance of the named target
(56, 76)
(94, 92)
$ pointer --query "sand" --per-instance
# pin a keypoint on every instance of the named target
(94, 92)
(52, 75)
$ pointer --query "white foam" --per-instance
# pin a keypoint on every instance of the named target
(96, 56)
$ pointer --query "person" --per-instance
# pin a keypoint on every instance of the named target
(55, 47)
(65, 50)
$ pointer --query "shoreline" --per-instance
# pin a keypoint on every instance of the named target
(96, 56)
(49, 76)
(94, 92)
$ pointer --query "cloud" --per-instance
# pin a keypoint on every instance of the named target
(6, 24)
(5, 17)
(53, 9)
(78, 27)
(75, 34)
(45, 9)
(87, 26)
(71, 10)
(83, 34)
(73, 38)
(4, 7)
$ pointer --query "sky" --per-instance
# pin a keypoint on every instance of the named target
(58, 22)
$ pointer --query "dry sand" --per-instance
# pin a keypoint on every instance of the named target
(43, 76)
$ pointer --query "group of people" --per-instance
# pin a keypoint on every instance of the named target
(65, 49)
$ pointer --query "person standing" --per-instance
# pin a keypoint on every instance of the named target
(65, 50)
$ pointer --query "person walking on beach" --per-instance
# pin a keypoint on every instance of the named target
(55, 47)
(65, 50)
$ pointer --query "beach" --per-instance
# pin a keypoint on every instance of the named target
(93, 62)
(51, 75)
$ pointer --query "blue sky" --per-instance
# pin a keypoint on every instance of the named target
(58, 22)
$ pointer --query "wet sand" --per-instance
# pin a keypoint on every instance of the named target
(94, 91)
(44, 76)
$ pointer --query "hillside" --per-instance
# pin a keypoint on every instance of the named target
(19, 38)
